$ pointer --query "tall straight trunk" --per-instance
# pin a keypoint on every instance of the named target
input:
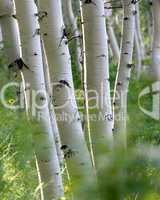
(44, 141)
(51, 107)
(69, 123)
(138, 29)
(156, 41)
(111, 35)
(113, 41)
(97, 71)
(150, 25)
(138, 55)
(123, 73)
(75, 32)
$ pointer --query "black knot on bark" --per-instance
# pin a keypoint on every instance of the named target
(134, 12)
(126, 18)
(130, 65)
(119, 83)
(64, 146)
(64, 82)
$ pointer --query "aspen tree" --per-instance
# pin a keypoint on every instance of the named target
(124, 72)
(97, 71)
(44, 142)
(138, 55)
(69, 123)
(111, 35)
(75, 32)
(51, 107)
(138, 29)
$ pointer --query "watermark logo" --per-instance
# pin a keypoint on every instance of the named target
(37, 100)
(153, 90)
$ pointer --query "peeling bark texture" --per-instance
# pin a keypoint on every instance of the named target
(124, 73)
(97, 71)
(68, 119)
(156, 42)
(44, 142)
(76, 34)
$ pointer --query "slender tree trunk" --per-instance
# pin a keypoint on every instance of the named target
(97, 70)
(69, 123)
(51, 107)
(138, 29)
(44, 141)
(156, 41)
(75, 32)
(150, 23)
(65, 13)
(138, 55)
(124, 72)
(113, 42)
(111, 35)
(1, 38)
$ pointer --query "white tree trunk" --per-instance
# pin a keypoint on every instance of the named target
(113, 41)
(111, 35)
(123, 73)
(75, 32)
(72, 137)
(97, 70)
(10, 38)
(156, 41)
(7, 7)
(150, 23)
(138, 28)
(51, 108)
(138, 55)
(9, 29)
(44, 140)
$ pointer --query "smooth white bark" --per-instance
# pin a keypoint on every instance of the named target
(113, 41)
(44, 140)
(138, 55)
(97, 71)
(111, 35)
(9, 30)
(139, 33)
(7, 7)
(51, 108)
(11, 40)
(124, 73)
(72, 137)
